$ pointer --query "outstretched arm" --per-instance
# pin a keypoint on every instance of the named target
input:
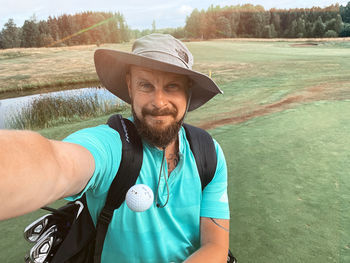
(214, 241)
(35, 171)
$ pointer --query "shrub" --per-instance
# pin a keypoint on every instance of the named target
(331, 33)
(345, 30)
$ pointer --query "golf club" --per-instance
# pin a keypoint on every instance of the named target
(41, 250)
(33, 231)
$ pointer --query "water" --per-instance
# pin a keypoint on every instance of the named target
(9, 107)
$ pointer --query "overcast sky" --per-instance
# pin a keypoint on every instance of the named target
(139, 14)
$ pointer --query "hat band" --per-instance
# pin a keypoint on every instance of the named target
(157, 51)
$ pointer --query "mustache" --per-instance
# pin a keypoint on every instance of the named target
(159, 112)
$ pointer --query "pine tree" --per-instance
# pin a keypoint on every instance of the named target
(293, 29)
(53, 27)
(267, 32)
(234, 22)
(192, 26)
(300, 29)
(345, 13)
(338, 24)
(10, 35)
(273, 31)
(276, 21)
(345, 32)
(319, 28)
(30, 33)
(223, 27)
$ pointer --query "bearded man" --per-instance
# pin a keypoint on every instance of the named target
(184, 223)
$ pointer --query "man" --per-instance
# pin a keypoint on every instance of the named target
(184, 224)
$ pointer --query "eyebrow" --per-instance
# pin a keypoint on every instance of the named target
(178, 79)
(175, 76)
(141, 80)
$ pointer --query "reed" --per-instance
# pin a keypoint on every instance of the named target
(48, 111)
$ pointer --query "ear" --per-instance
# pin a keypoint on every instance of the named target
(128, 83)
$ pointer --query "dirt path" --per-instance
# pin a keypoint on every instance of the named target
(335, 91)
(338, 39)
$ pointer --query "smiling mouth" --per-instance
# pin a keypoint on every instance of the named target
(155, 113)
(160, 117)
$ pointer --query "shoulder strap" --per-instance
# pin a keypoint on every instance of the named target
(126, 177)
(203, 149)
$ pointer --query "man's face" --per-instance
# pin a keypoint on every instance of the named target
(158, 101)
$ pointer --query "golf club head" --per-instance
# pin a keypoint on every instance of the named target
(34, 231)
(41, 250)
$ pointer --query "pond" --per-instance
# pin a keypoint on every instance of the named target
(10, 107)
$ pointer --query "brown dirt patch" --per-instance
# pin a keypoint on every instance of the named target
(221, 67)
(304, 45)
(335, 39)
(333, 91)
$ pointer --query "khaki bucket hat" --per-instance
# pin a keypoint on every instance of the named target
(155, 51)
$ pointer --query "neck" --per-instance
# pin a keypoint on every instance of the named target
(172, 155)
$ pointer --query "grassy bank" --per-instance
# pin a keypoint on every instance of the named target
(34, 69)
(284, 126)
(45, 112)
(58, 133)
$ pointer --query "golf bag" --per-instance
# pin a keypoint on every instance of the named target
(68, 234)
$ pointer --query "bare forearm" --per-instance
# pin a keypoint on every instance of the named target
(214, 241)
(209, 253)
(35, 171)
(28, 172)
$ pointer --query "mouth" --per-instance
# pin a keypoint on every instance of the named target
(159, 114)
(160, 117)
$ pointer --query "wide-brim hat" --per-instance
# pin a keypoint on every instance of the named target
(155, 51)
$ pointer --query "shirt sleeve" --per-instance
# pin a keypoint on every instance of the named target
(214, 198)
(105, 146)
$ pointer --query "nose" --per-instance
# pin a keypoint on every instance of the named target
(159, 99)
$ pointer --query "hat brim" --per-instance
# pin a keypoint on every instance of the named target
(111, 67)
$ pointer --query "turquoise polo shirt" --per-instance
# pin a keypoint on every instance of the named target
(169, 234)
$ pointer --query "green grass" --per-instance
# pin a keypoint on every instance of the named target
(288, 162)
(13, 247)
(289, 187)
(45, 112)
(12, 54)
(252, 73)
(59, 133)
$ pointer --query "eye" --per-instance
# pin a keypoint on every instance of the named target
(146, 86)
(173, 87)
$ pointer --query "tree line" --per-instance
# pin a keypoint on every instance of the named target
(255, 22)
(247, 21)
(77, 29)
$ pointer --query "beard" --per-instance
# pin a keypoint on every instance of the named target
(157, 136)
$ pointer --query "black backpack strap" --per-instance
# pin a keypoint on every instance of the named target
(126, 177)
(203, 149)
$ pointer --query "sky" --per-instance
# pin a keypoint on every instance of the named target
(139, 14)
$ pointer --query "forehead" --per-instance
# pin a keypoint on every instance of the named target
(141, 72)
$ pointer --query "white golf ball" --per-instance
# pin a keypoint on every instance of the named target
(139, 197)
